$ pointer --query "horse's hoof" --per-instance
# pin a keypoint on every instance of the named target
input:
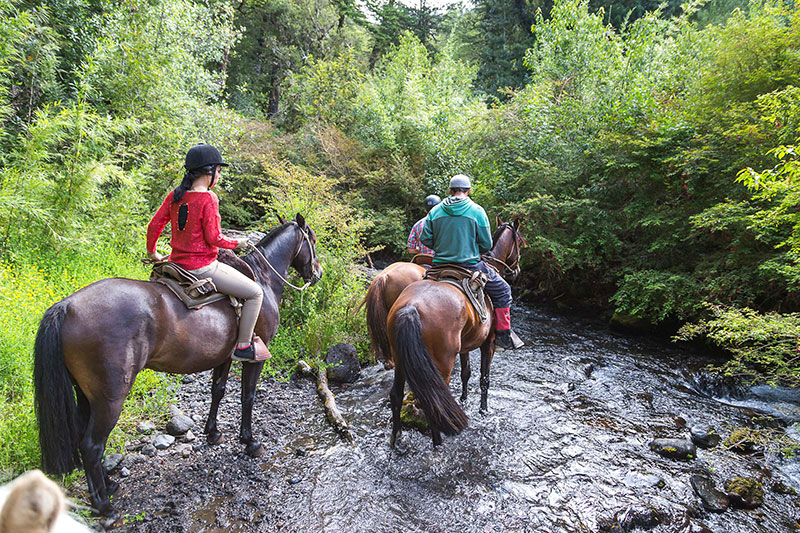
(255, 449)
(214, 438)
(109, 518)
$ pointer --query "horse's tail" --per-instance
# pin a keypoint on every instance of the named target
(423, 377)
(56, 410)
(376, 318)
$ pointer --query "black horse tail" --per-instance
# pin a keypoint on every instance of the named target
(376, 318)
(56, 410)
(423, 377)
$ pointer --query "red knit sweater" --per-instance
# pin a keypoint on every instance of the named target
(197, 244)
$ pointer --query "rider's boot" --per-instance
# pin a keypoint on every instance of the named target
(504, 337)
(246, 354)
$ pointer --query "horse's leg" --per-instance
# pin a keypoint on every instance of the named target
(250, 374)
(102, 419)
(219, 378)
(466, 371)
(487, 353)
(83, 413)
(396, 398)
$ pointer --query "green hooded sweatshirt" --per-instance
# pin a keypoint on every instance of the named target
(458, 231)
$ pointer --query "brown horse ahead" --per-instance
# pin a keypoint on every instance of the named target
(390, 282)
(91, 345)
(428, 324)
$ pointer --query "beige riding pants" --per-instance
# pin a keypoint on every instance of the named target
(228, 280)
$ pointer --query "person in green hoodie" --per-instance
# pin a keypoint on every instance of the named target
(458, 231)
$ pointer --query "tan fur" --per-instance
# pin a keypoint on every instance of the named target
(34, 504)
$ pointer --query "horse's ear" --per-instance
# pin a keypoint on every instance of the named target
(497, 221)
(280, 218)
(300, 220)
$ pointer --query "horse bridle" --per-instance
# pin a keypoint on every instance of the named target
(312, 255)
(514, 268)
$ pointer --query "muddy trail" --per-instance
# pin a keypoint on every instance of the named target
(563, 447)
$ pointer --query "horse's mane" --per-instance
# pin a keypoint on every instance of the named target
(516, 232)
(273, 234)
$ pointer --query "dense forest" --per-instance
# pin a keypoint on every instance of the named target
(648, 150)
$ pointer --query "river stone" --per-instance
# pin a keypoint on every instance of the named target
(630, 519)
(148, 450)
(344, 360)
(189, 436)
(112, 461)
(713, 500)
(162, 442)
(704, 436)
(179, 425)
(146, 427)
(124, 472)
(780, 487)
(679, 449)
(184, 450)
(745, 492)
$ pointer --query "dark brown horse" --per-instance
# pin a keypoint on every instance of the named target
(390, 282)
(428, 324)
(91, 345)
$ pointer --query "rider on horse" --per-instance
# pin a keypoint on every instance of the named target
(193, 213)
(414, 245)
(458, 230)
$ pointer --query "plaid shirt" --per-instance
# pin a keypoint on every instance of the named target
(414, 236)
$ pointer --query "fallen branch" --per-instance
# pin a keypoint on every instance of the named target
(324, 392)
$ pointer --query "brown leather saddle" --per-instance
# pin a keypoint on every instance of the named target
(424, 260)
(196, 292)
(471, 283)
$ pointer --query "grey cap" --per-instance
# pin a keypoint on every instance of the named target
(460, 181)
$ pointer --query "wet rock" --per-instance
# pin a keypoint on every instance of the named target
(632, 518)
(344, 360)
(412, 416)
(704, 436)
(588, 369)
(628, 323)
(162, 442)
(680, 449)
(745, 492)
(148, 450)
(146, 427)
(713, 500)
(188, 378)
(112, 461)
(779, 487)
(179, 424)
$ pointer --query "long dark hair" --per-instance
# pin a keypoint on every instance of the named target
(188, 179)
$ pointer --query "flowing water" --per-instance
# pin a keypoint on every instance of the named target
(563, 447)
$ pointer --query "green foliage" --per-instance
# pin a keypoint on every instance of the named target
(765, 344)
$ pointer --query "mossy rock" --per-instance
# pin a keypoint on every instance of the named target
(412, 416)
(742, 440)
(629, 323)
(745, 492)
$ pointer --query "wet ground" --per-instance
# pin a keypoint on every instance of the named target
(564, 447)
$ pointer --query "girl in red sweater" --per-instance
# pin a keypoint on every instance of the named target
(193, 213)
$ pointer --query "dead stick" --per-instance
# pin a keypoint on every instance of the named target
(334, 415)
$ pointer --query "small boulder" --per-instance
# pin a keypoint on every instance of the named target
(148, 450)
(632, 518)
(189, 436)
(745, 492)
(343, 359)
(680, 449)
(112, 461)
(780, 487)
(179, 424)
(184, 450)
(713, 500)
(124, 472)
(162, 442)
(704, 436)
(146, 427)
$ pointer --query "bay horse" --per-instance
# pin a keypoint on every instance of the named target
(390, 282)
(428, 324)
(91, 345)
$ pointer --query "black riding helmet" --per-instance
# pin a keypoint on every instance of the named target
(203, 155)
(431, 201)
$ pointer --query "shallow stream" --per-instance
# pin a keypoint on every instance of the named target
(563, 447)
